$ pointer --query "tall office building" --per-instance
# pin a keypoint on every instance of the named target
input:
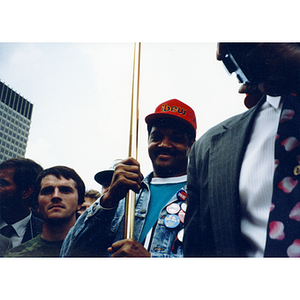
(15, 119)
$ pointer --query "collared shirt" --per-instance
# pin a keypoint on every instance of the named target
(19, 227)
(256, 177)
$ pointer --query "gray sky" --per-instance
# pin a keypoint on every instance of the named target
(82, 91)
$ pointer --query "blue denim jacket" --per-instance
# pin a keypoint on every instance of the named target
(97, 228)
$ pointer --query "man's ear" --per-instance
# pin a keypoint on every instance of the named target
(79, 206)
(27, 192)
(190, 147)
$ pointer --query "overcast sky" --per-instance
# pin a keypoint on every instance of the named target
(82, 91)
(80, 85)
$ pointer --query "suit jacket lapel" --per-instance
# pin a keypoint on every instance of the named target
(225, 159)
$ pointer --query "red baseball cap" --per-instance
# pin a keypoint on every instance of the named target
(174, 109)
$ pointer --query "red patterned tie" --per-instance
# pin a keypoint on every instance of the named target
(283, 238)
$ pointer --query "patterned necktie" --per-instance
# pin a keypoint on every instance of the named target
(7, 231)
(283, 238)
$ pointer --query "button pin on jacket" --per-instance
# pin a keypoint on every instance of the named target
(181, 195)
(181, 216)
(297, 170)
(171, 221)
(180, 235)
(173, 208)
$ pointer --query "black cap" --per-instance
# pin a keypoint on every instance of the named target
(104, 177)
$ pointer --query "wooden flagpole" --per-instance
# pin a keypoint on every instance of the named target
(133, 149)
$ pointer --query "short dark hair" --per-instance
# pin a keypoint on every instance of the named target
(93, 194)
(65, 172)
(169, 121)
(25, 171)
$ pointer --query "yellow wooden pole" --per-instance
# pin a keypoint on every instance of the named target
(130, 197)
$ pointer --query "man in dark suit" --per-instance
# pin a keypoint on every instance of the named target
(17, 221)
(230, 174)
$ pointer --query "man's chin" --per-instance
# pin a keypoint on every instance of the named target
(56, 219)
(163, 171)
(168, 169)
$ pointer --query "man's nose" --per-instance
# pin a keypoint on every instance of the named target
(56, 194)
(221, 51)
(165, 142)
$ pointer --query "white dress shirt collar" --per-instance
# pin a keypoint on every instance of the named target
(274, 101)
(19, 227)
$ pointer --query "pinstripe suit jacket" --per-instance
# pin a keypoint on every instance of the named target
(212, 222)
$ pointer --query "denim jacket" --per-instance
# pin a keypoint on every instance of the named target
(97, 228)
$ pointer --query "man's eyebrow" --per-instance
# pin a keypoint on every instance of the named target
(62, 188)
(46, 187)
(45, 190)
(155, 133)
(66, 187)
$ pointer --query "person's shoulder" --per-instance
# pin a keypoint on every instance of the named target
(223, 126)
(226, 123)
(23, 248)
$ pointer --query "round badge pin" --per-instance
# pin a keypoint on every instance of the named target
(173, 208)
(171, 221)
(181, 195)
(181, 216)
(180, 235)
(184, 206)
(297, 170)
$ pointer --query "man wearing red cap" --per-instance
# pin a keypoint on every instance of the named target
(160, 197)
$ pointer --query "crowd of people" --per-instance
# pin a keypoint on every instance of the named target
(218, 196)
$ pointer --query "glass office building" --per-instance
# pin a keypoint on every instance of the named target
(15, 119)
